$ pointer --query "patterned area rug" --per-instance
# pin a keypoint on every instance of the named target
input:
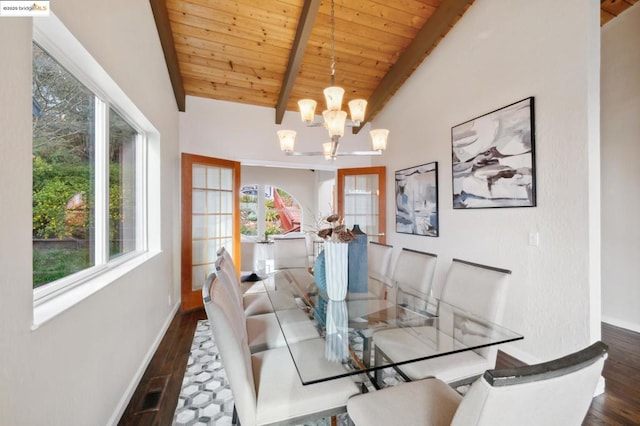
(205, 397)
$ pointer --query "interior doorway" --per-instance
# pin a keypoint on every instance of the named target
(210, 220)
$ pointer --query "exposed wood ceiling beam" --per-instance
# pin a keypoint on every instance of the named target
(429, 35)
(305, 25)
(161, 16)
(609, 9)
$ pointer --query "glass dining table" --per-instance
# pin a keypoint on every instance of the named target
(346, 328)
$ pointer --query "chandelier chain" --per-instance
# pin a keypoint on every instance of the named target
(333, 46)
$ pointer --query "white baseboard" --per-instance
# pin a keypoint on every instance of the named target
(122, 405)
(621, 323)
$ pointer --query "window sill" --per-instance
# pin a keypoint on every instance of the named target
(49, 309)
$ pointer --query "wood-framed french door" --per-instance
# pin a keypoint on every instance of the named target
(210, 220)
(362, 200)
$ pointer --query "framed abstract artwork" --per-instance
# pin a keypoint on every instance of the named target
(493, 159)
(417, 200)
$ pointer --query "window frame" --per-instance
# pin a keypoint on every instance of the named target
(51, 298)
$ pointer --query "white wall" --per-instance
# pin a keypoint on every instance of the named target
(620, 171)
(247, 134)
(502, 51)
(326, 193)
(79, 368)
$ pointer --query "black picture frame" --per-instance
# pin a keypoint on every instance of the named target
(417, 200)
(493, 159)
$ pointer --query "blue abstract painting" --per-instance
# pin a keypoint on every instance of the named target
(417, 200)
(493, 161)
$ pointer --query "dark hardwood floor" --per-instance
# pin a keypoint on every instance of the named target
(155, 399)
(620, 404)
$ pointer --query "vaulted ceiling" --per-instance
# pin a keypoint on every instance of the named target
(272, 53)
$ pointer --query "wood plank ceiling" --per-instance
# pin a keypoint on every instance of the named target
(609, 9)
(272, 53)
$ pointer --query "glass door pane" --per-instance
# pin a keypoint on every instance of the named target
(212, 211)
(361, 203)
(361, 195)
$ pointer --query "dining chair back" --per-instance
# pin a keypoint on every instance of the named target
(556, 392)
(476, 288)
(262, 327)
(225, 265)
(470, 287)
(255, 301)
(480, 290)
(233, 346)
(379, 267)
(290, 252)
(413, 272)
(379, 259)
(265, 385)
(223, 252)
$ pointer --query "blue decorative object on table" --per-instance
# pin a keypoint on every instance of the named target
(320, 311)
(358, 275)
(319, 274)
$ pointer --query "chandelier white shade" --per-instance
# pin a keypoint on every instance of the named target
(334, 118)
(357, 108)
(379, 139)
(287, 139)
(307, 109)
(335, 121)
(333, 96)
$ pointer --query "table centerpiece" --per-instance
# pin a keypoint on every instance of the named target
(335, 255)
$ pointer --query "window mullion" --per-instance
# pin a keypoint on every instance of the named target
(261, 212)
(141, 193)
(101, 182)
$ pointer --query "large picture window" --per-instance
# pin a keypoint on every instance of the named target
(88, 180)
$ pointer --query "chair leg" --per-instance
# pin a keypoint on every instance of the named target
(401, 374)
(234, 419)
(462, 386)
(377, 374)
(378, 360)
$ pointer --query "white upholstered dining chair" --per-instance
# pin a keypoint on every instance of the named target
(471, 287)
(556, 393)
(290, 252)
(379, 268)
(265, 385)
(413, 277)
(248, 263)
(253, 302)
(253, 295)
(263, 331)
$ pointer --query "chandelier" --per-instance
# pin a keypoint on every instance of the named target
(334, 119)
